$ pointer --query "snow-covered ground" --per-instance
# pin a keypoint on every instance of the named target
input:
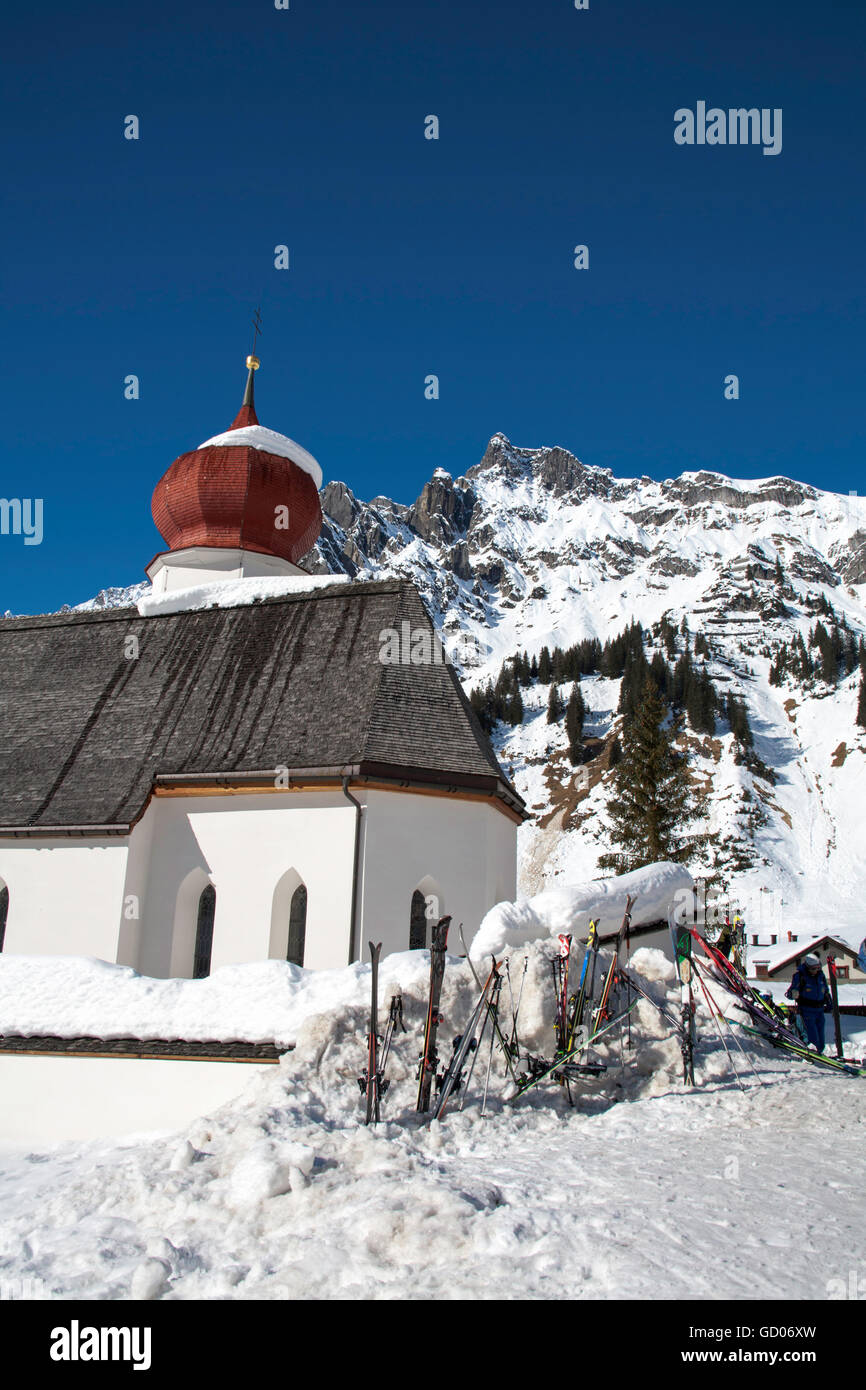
(643, 1190)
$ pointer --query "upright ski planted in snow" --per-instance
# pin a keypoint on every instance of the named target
(683, 952)
(370, 1081)
(560, 964)
(570, 1040)
(395, 1022)
(429, 1056)
(468, 1041)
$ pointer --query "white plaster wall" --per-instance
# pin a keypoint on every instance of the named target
(65, 895)
(244, 844)
(465, 850)
(135, 887)
(54, 1098)
(182, 569)
(73, 897)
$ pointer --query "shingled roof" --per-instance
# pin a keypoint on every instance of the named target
(294, 682)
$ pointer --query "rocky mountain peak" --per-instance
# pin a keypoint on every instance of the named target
(444, 510)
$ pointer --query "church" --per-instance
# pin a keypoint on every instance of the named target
(254, 763)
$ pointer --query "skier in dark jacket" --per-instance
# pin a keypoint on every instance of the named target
(725, 938)
(812, 993)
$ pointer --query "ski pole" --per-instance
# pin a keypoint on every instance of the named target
(515, 1042)
(509, 1064)
(487, 1077)
(475, 1052)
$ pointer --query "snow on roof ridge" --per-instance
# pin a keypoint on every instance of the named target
(234, 593)
(270, 442)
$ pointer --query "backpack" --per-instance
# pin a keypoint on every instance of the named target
(812, 988)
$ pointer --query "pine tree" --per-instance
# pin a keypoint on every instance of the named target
(554, 705)
(482, 701)
(545, 667)
(661, 674)
(738, 718)
(575, 714)
(668, 634)
(652, 799)
(634, 677)
(683, 677)
(513, 713)
(701, 703)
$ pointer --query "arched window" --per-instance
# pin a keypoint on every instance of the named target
(297, 926)
(204, 933)
(4, 913)
(418, 922)
(288, 919)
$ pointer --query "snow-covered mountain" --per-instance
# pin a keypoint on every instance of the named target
(531, 547)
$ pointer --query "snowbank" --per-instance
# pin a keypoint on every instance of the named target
(231, 593)
(267, 1001)
(656, 889)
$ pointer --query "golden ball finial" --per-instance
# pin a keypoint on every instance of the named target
(253, 363)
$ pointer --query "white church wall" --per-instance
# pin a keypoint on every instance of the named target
(246, 845)
(463, 852)
(46, 1099)
(135, 889)
(65, 895)
(135, 900)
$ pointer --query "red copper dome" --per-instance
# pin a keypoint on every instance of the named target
(258, 491)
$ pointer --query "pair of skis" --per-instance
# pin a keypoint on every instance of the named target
(429, 1056)
(682, 939)
(576, 1030)
(373, 1082)
(470, 1041)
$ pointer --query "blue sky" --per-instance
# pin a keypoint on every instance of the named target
(305, 127)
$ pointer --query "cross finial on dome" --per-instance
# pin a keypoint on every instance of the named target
(247, 413)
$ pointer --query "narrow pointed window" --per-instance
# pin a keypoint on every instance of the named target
(204, 933)
(4, 913)
(297, 926)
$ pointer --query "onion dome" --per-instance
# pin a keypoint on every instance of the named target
(248, 489)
